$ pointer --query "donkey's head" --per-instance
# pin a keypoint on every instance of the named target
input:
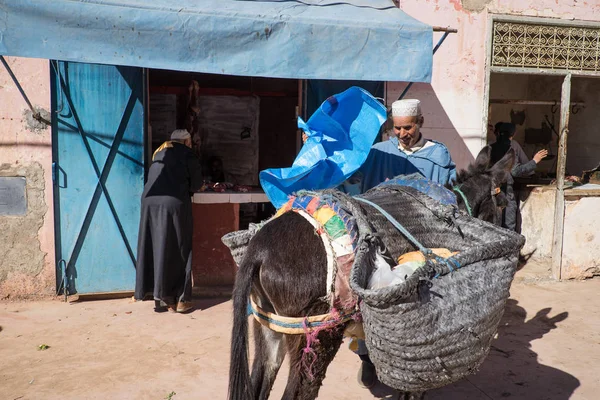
(478, 187)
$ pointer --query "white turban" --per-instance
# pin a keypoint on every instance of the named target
(180, 134)
(406, 108)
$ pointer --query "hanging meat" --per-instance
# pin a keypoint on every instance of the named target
(192, 118)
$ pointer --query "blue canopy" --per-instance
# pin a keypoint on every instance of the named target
(300, 39)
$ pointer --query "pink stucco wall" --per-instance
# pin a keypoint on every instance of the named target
(27, 258)
(454, 102)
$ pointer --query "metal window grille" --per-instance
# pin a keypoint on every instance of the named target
(537, 46)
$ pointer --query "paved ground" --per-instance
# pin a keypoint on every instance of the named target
(548, 348)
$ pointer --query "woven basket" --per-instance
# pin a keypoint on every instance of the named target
(238, 241)
(437, 326)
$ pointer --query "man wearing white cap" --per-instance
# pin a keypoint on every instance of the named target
(407, 151)
(164, 256)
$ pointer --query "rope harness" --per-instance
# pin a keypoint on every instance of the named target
(494, 192)
(298, 325)
(464, 197)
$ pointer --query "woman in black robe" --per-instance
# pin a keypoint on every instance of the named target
(523, 167)
(164, 255)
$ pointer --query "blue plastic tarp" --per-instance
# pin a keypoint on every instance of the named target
(300, 39)
(340, 135)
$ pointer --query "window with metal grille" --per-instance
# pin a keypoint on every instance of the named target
(528, 45)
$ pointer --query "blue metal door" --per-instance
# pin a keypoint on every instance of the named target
(98, 154)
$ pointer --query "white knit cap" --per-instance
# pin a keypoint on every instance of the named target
(180, 134)
(406, 108)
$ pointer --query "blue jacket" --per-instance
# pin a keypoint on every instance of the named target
(385, 160)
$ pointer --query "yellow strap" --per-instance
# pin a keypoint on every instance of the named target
(166, 145)
(289, 320)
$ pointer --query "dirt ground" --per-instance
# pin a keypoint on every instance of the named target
(548, 348)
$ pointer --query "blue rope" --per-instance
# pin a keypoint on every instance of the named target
(397, 224)
(294, 325)
(464, 197)
(450, 261)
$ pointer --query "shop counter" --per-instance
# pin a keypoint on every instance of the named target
(581, 241)
(216, 214)
(229, 197)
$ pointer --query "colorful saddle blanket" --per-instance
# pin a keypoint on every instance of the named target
(339, 233)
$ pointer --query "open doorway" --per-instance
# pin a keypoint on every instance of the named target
(239, 125)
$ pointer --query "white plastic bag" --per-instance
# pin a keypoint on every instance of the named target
(405, 270)
(384, 275)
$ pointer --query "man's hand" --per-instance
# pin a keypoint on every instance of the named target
(540, 155)
(304, 137)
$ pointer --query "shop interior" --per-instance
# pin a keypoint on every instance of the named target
(532, 103)
(239, 126)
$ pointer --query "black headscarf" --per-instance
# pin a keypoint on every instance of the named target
(504, 131)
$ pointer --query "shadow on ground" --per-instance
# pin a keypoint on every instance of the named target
(206, 303)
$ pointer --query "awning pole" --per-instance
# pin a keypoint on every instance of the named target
(446, 31)
(441, 29)
(36, 115)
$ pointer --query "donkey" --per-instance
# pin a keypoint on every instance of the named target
(284, 268)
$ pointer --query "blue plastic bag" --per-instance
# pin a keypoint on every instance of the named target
(430, 188)
(340, 135)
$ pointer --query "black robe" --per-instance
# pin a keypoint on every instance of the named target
(164, 253)
(523, 167)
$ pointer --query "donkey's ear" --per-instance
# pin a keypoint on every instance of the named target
(501, 170)
(482, 161)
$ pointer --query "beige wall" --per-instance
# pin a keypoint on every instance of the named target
(581, 242)
(27, 242)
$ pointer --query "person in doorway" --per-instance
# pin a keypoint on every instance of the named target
(164, 255)
(407, 151)
(215, 170)
(523, 167)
